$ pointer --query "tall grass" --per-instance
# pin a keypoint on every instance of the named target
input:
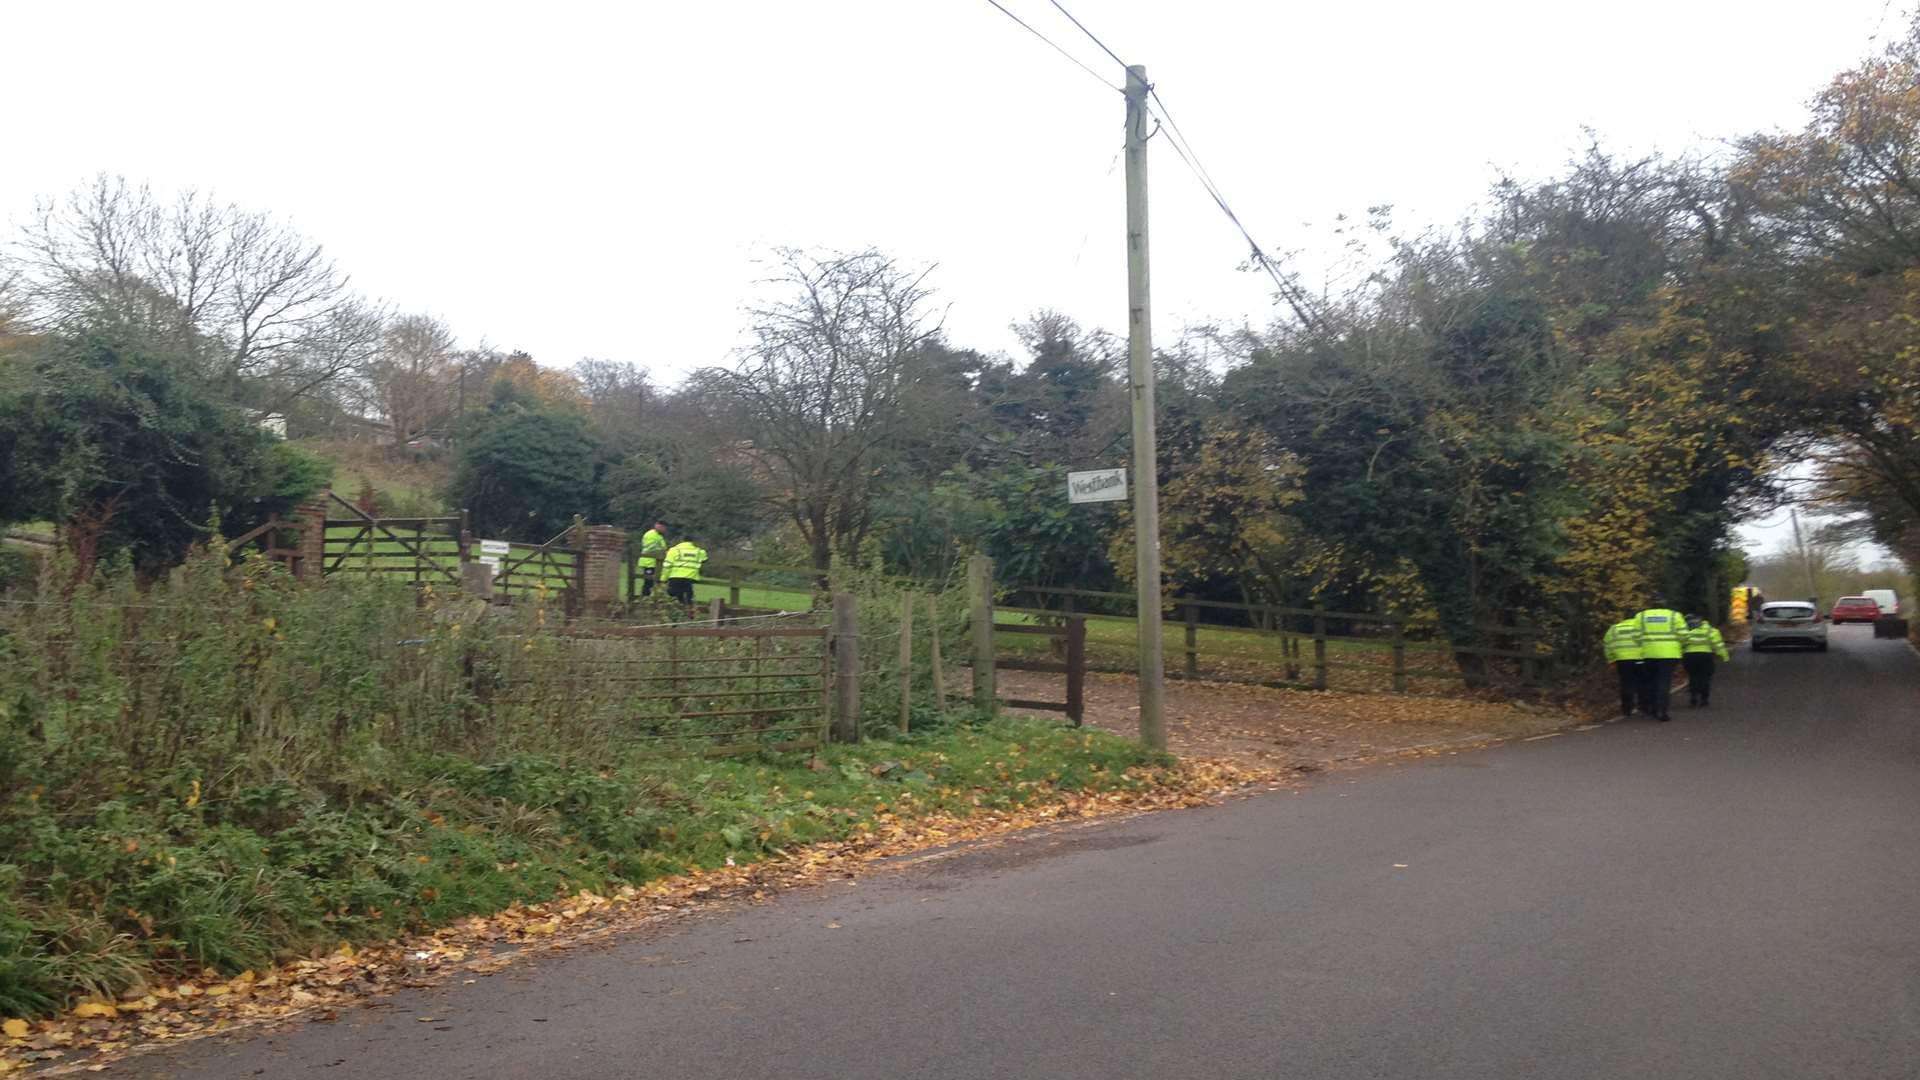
(231, 766)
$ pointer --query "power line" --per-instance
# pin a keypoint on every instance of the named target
(1183, 148)
(1090, 35)
(1056, 48)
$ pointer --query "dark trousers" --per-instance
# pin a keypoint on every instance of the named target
(1628, 672)
(1699, 667)
(648, 574)
(681, 589)
(1660, 685)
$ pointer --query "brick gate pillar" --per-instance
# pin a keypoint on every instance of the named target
(606, 557)
(311, 550)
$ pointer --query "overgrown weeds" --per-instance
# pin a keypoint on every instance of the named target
(232, 768)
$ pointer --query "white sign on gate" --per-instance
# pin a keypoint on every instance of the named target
(1096, 486)
(492, 552)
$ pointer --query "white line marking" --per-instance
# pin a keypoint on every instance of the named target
(1537, 738)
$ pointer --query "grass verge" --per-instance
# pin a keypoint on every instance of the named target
(158, 888)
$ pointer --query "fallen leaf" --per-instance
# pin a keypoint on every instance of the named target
(95, 1009)
(1399, 866)
(16, 1029)
(833, 926)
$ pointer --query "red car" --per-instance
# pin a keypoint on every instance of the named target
(1855, 609)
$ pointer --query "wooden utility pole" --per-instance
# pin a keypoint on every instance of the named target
(1146, 483)
(1806, 561)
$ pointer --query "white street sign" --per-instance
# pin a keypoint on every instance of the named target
(493, 552)
(1096, 486)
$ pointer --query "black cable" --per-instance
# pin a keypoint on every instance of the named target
(1295, 298)
(1090, 37)
(1057, 48)
(1183, 148)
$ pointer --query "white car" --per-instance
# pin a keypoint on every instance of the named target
(1789, 622)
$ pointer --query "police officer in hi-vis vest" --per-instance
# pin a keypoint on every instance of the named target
(1622, 643)
(1661, 646)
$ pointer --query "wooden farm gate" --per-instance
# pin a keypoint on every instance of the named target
(553, 570)
(1071, 632)
(426, 551)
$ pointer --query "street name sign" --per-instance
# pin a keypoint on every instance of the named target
(1097, 486)
(492, 552)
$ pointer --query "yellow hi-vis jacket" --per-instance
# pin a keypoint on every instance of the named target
(1660, 630)
(1705, 638)
(684, 560)
(652, 546)
(1622, 641)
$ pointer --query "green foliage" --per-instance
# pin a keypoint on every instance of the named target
(928, 532)
(716, 503)
(129, 452)
(234, 769)
(524, 469)
(1033, 535)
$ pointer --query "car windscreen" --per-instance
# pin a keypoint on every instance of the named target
(1855, 601)
(1787, 611)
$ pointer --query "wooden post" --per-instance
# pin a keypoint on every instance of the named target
(733, 589)
(906, 661)
(1319, 649)
(466, 537)
(1193, 641)
(673, 673)
(980, 601)
(826, 687)
(1399, 656)
(846, 669)
(1076, 670)
(759, 684)
(716, 611)
(939, 669)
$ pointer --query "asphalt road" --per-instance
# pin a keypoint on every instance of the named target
(1734, 894)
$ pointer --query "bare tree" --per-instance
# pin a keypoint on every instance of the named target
(620, 399)
(828, 386)
(414, 377)
(255, 305)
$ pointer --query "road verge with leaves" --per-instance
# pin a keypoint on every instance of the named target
(749, 830)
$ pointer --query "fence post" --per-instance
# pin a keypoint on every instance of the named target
(716, 611)
(1193, 641)
(846, 669)
(906, 661)
(939, 669)
(980, 601)
(1399, 657)
(733, 589)
(1076, 669)
(466, 536)
(1319, 649)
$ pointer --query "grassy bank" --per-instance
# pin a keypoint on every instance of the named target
(230, 770)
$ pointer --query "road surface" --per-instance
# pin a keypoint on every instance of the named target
(1734, 894)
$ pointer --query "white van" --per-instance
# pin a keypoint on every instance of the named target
(1886, 598)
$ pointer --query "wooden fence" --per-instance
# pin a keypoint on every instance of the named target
(1212, 639)
(1304, 646)
(437, 551)
(689, 689)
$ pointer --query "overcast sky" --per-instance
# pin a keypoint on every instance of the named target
(599, 179)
